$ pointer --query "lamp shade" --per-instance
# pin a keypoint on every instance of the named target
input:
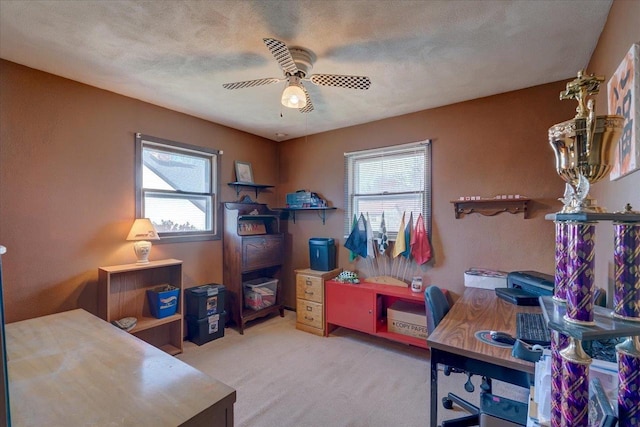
(143, 229)
(293, 96)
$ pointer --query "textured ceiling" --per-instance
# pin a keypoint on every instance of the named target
(418, 54)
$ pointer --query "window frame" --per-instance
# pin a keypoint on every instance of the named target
(424, 147)
(214, 155)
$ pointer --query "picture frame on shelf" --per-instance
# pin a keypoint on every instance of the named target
(623, 98)
(244, 172)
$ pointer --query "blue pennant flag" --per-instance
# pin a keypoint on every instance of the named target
(357, 240)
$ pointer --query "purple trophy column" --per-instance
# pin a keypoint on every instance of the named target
(560, 289)
(581, 285)
(574, 407)
(626, 257)
(629, 382)
(558, 342)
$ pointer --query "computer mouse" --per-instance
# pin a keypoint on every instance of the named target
(502, 337)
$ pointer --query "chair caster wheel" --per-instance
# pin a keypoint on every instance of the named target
(469, 385)
(447, 403)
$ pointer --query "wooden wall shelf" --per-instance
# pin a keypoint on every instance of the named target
(238, 186)
(321, 211)
(491, 207)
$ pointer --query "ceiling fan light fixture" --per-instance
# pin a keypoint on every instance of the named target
(293, 96)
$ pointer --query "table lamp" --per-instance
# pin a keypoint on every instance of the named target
(141, 232)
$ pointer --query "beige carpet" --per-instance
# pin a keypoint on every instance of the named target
(285, 377)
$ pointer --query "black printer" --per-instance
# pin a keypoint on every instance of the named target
(524, 287)
(531, 281)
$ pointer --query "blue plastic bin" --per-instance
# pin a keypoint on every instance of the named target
(163, 300)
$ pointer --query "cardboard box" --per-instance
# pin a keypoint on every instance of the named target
(407, 318)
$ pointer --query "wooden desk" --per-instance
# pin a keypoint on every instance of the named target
(454, 343)
(74, 369)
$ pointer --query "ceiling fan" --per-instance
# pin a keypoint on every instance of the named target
(296, 63)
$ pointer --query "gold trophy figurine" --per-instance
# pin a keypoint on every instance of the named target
(583, 146)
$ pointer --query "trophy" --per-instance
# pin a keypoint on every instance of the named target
(583, 146)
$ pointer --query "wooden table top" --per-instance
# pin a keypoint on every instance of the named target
(74, 369)
(480, 310)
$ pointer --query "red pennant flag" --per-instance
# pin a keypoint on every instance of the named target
(420, 247)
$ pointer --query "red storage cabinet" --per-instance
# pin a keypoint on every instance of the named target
(363, 307)
(350, 306)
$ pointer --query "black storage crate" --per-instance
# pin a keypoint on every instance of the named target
(201, 331)
(205, 300)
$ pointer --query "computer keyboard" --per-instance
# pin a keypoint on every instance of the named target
(532, 329)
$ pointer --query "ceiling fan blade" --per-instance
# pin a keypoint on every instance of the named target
(309, 107)
(350, 82)
(281, 52)
(251, 83)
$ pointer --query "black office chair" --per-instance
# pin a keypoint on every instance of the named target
(437, 306)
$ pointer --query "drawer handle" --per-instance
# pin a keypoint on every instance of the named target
(308, 318)
(308, 293)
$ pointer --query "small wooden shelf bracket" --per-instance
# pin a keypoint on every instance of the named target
(491, 207)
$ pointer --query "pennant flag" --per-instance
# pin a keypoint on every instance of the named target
(408, 232)
(357, 240)
(383, 239)
(400, 246)
(420, 247)
(371, 241)
(353, 254)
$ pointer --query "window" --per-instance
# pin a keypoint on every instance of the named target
(393, 180)
(177, 188)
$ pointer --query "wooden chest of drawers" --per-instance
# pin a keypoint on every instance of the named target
(310, 310)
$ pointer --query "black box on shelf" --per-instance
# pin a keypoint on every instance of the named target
(322, 253)
(205, 300)
(201, 331)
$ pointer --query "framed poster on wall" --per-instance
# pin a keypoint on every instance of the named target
(244, 173)
(623, 96)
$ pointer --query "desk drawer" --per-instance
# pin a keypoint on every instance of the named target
(309, 288)
(310, 313)
(261, 251)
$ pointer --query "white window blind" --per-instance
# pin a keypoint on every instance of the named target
(393, 180)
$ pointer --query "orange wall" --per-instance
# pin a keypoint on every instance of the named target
(488, 146)
(67, 187)
(67, 183)
(621, 31)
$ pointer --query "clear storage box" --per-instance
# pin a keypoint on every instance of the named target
(260, 293)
